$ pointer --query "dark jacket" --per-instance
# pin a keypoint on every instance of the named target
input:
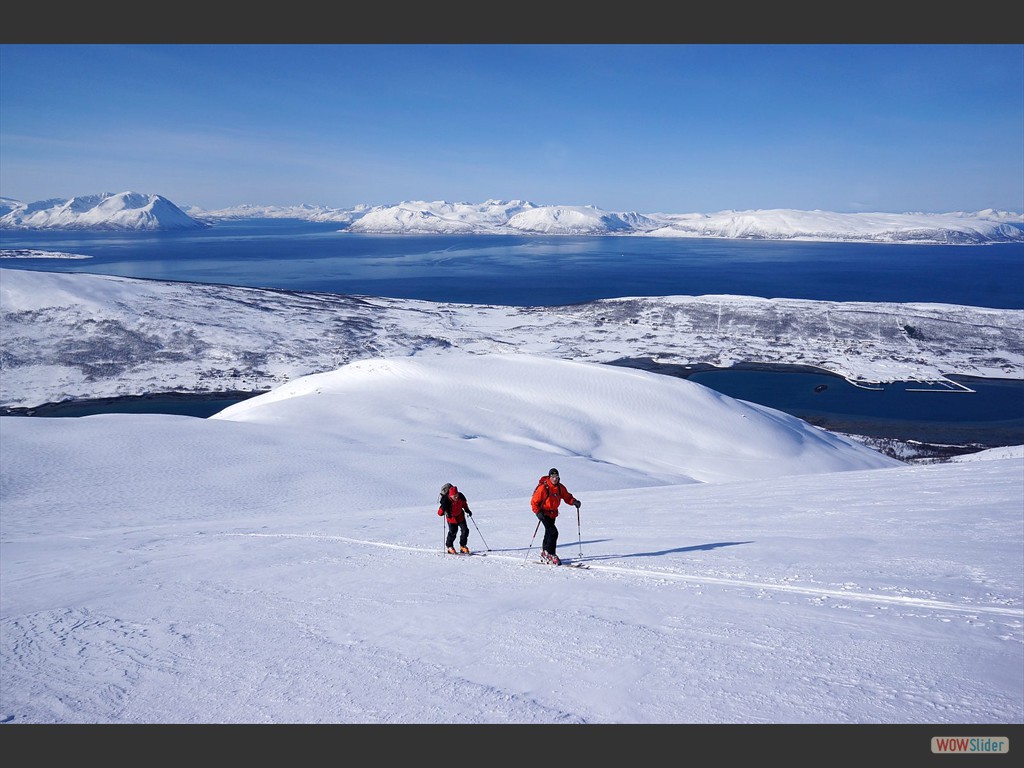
(454, 506)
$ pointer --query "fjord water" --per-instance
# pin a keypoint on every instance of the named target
(985, 411)
(536, 270)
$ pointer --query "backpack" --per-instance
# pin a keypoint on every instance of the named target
(440, 501)
(451, 501)
(545, 486)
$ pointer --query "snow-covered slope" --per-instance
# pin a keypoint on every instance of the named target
(579, 220)
(282, 562)
(79, 335)
(657, 427)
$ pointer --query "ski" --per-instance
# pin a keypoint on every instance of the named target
(465, 554)
(563, 564)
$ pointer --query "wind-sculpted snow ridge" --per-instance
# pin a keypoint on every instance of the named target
(77, 336)
(105, 211)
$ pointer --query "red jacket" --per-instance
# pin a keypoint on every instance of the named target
(548, 496)
(453, 506)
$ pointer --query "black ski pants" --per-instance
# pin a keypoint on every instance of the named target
(454, 528)
(550, 533)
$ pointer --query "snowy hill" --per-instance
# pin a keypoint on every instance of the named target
(519, 217)
(80, 335)
(547, 407)
(106, 211)
(578, 220)
(743, 567)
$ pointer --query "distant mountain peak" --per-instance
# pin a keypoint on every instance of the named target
(103, 211)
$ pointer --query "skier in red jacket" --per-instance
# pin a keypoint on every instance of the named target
(548, 495)
(454, 507)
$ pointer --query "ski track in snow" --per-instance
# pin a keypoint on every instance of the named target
(967, 609)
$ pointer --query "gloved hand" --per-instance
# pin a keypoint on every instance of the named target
(577, 503)
(469, 513)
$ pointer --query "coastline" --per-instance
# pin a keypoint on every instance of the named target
(686, 371)
(68, 408)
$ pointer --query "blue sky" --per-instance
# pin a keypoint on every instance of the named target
(651, 128)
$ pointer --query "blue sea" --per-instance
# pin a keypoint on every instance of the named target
(548, 271)
(536, 270)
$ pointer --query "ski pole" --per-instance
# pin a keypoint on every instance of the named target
(579, 536)
(488, 549)
(531, 541)
(444, 535)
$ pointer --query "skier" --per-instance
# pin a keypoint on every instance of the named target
(454, 507)
(548, 495)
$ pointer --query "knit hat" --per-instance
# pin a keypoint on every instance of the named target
(552, 471)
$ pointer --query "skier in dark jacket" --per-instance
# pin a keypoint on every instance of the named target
(545, 500)
(454, 507)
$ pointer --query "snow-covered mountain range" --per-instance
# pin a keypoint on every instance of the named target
(130, 210)
(518, 217)
(76, 336)
(104, 211)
